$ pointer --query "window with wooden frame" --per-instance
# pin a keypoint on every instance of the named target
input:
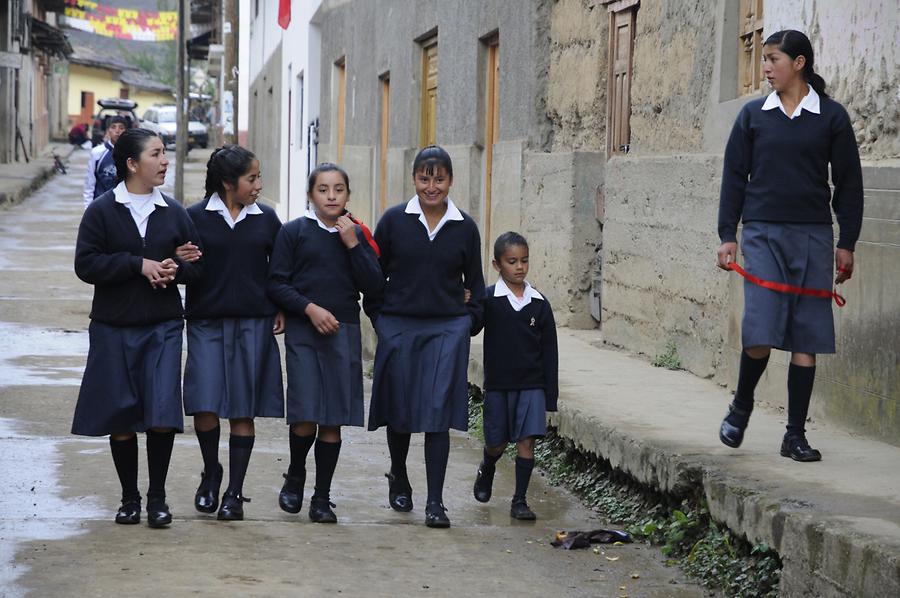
(385, 122)
(340, 75)
(429, 91)
(622, 17)
(750, 40)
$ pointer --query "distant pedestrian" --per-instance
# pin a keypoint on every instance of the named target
(78, 134)
(431, 256)
(322, 261)
(775, 181)
(132, 381)
(101, 170)
(521, 370)
(233, 367)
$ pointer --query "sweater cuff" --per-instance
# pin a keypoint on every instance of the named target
(846, 244)
(137, 264)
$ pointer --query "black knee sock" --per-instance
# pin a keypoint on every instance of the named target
(437, 453)
(125, 458)
(800, 384)
(524, 468)
(239, 451)
(748, 377)
(159, 453)
(326, 454)
(209, 448)
(398, 446)
(489, 460)
(300, 446)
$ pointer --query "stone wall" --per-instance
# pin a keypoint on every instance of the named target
(265, 104)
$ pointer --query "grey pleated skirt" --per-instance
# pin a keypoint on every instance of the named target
(796, 254)
(324, 374)
(132, 380)
(420, 382)
(233, 368)
(512, 415)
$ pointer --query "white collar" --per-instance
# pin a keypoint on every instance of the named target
(124, 196)
(500, 289)
(414, 207)
(810, 102)
(216, 204)
(311, 214)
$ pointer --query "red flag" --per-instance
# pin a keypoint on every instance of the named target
(284, 13)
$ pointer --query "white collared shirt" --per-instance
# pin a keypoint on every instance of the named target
(414, 207)
(518, 304)
(810, 102)
(311, 214)
(140, 206)
(216, 204)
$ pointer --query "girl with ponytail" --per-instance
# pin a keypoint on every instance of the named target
(776, 182)
(233, 367)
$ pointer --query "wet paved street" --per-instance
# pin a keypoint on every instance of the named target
(60, 492)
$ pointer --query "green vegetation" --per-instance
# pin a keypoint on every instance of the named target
(669, 360)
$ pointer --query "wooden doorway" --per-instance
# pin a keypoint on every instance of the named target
(340, 72)
(383, 142)
(621, 47)
(429, 92)
(87, 107)
(491, 130)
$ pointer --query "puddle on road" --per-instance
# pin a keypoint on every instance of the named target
(31, 356)
(31, 507)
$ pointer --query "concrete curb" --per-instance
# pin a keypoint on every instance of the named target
(19, 180)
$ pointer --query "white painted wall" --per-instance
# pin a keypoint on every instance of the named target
(300, 56)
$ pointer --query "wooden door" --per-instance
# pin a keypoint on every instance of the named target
(621, 46)
(87, 108)
(383, 142)
(341, 73)
(429, 93)
(491, 132)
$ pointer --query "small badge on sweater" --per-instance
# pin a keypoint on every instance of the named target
(532, 322)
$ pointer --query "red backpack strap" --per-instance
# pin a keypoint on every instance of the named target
(367, 234)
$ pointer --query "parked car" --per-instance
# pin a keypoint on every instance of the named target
(161, 120)
(109, 108)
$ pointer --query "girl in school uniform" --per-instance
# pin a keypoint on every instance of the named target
(521, 370)
(322, 261)
(431, 255)
(233, 367)
(132, 382)
(775, 181)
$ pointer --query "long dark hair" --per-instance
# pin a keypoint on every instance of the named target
(226, 165)
(794, 44)
(326, 167)
(130, 145)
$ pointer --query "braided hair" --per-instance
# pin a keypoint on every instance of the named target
(227, 164)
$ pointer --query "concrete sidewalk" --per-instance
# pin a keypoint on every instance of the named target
(18, 179)
(836, 523)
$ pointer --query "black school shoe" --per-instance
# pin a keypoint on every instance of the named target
(731, 432)
(290, 498)
(436, 515)
(798, 449)
(206, 499)
(158, 514)
(519, 509)
(484, 482)
(320, 511)
(129, 512)
(399, 493)
(232, 508)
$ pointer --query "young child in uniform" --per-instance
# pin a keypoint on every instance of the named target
(431, 255)
(132, 381)
(520, 370)
(321, 263)
(775, 181)
(233, 367)
(101, 169)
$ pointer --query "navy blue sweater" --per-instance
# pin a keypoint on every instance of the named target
(109, 254)
(311, 265)
(427, 279)
(776, 170)
(520, 348)
(235, 265)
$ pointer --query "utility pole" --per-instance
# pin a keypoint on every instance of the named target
(181, 96)
(230, 39)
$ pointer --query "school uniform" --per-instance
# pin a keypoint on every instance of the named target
(132, 380)
(775, 182)
(101, 172)
(521, 364)
(310, 264)
(422, 320)
(233, 366)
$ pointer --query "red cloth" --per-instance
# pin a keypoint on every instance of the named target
(284, 13)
